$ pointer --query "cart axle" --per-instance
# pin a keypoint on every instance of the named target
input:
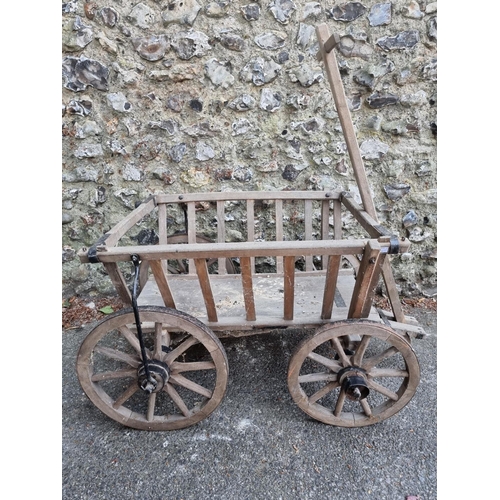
(159, 374)
(353, 381)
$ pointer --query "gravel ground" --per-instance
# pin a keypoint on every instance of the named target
(257, 444)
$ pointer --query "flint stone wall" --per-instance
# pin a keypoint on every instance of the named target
(189, 95)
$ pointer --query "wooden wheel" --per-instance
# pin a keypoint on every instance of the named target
(347, 388)
(185, 357)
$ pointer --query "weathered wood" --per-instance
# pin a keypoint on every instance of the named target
(366, 280)
(221, 234)
(246, 280)
(161, 281)
(325, 228)
(246, 195)
(279, 232)
(206, 289)
(333, 75)
(289, 287)
(330, 285)
(308, 215)
(116, 277)
(191, 230)
(251, 229)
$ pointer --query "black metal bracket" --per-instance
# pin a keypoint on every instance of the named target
(92, 251)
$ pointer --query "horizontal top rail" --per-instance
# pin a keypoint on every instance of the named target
(242, 249)
(248, 195)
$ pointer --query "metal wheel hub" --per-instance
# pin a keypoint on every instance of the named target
(353, 382)
(159, 374)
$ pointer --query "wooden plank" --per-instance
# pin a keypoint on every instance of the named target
(337, 220)
(247, 195)
(325, 228)
(392, 292)
(337, 88)
(162, 224)
(251, 228)
(366, 280)
(246, 280)
(116, 277)
(221, 234)
(161, 280)
(308, 231)
(330, 285)
(206, 289)
(279, 233)
(289, 287)
(241, 249)
(191, 231)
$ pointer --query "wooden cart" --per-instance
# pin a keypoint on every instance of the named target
(161, 364)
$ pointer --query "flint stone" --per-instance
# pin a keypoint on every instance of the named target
(126, 196)
(216, 9)
(373, 149)
(188, 44)
(89, 151)
(311, 10)
(195, 178)
(251, 12)
(132, 173)
(181, 12)
(81, 174)
(380, 14)
(417, 99)
(177, 73)
(432, 29)
(282, 10)
(350, 47)
(107, 44)
(151, 48)
(429, 71)
(243, 174)
(305, 75)
(78, 35)
(369, 75)
(271, 40)
(116, 147)
(203, 129)
(416, 235)
(69, 7)
(219, 73)
(232, 41)
(240, 127)
(305, 36)
(142, 16)
(396, 127)
(176, 102)
(204, 152)
(298, 101)
(170, 126)
(82, 107)
(67, 218)
(260, 71)
(86, 129)
(410, 219)
(401, 41)
(291, 172)
(82, 73)
(413, 11)
(270, 100)
(378, 100)
(177, 152)
(119, 102)
(244, 102)
(108, 16)
(396, 191)
(348, 11)
(147, 148)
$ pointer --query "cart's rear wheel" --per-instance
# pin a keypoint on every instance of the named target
(352, 389)
(185, 357)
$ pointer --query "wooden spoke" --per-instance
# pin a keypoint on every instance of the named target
(340, 350)
(366, 407)
(317, 377)
(322, 360)
(174, 395)
(320, 394)
(118, 355)
(340, 403)
(323, 391)
(192, 386)
(387, 372)
(151, 407)
(383, 390)
(126, 395)
(360, 350)
(194, 399)
(111, 375)
(178, 367)
(130, 337)
(369, 363)
(180, 349)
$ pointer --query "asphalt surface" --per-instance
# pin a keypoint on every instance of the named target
(257, 444)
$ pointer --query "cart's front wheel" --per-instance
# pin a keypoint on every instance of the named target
(352, 389)
(185, 358)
